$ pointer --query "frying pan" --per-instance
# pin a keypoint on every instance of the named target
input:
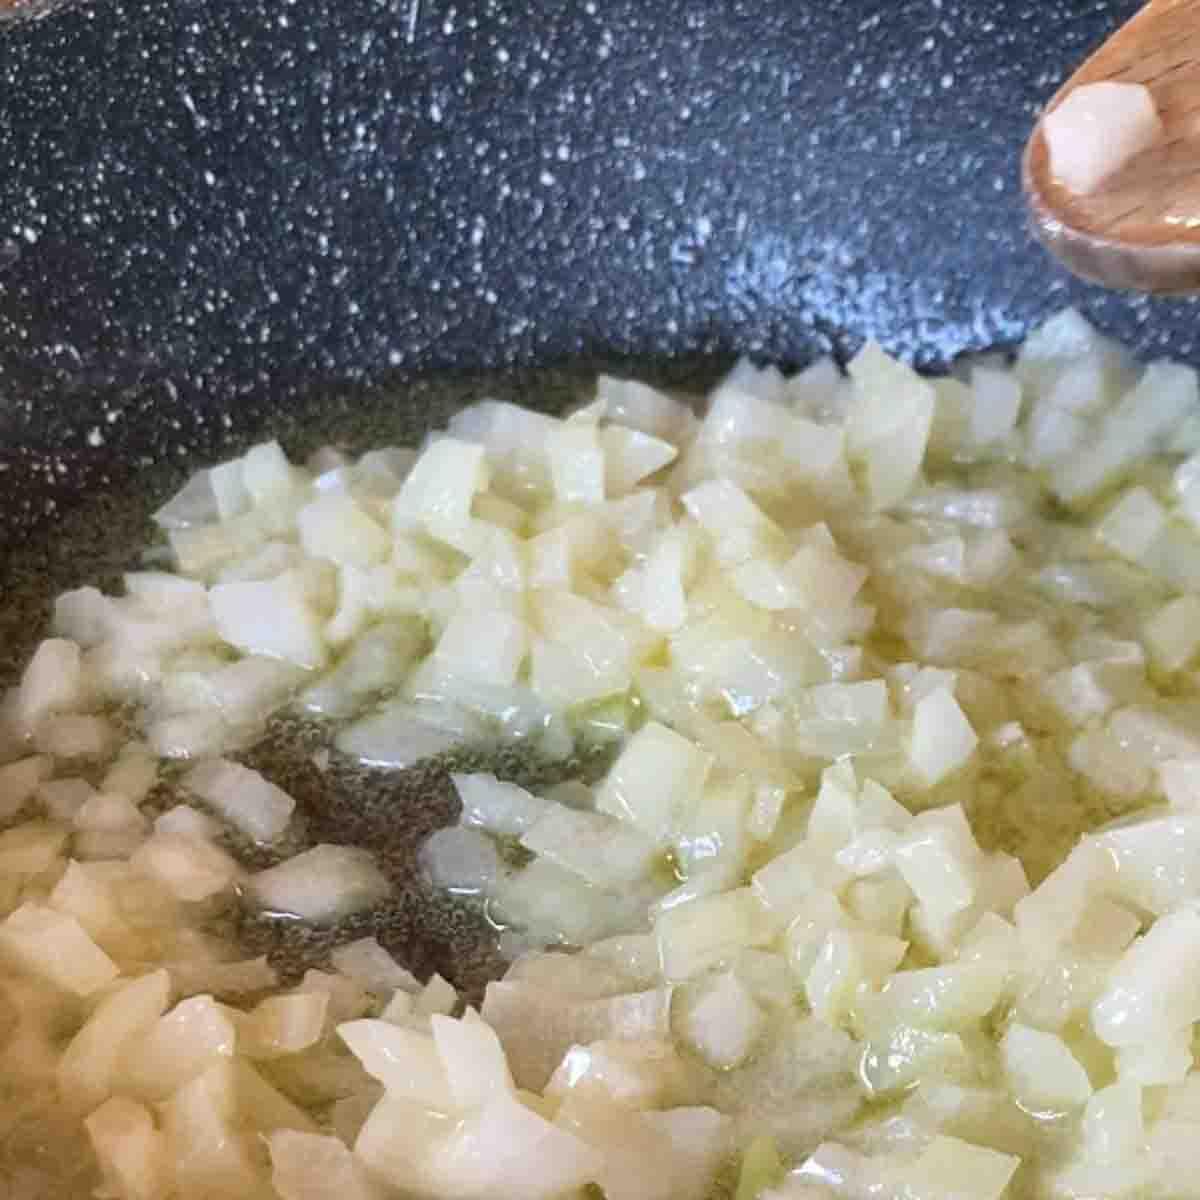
(334, 220)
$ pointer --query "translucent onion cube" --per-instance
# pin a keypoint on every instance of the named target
(723, 1021)
(1042, 1072)
(630, 456)
(247, 800)
(1166, 1060)
(30, 847)
(709, 932)
(282, 1025)
(1113, 1129)
(846, 960)
(322, 884)
(785, 883)
(130, 1150)
(488, 649)
(88, 1069)
(600, 849)
(192, 868)
(669, 1155)
(655, 780)
(74, 735)
(460, 859)
(655, 589)
(54, 946)
(538, 1026)
(1165, 393)
(585, 653)
(1172, 633)
(940, 861)
(558, 903)
(942, 737)
(395, 736)
(1096, 129)
(637, 405)
(84, 892)
(888, 424)
(995, 405)
(1155, 988)
(266, 471)
(52, 682)
(496, 805)
(211, 1154)
(369, 965)
(436, 997)
(473, 1058)
(189, 821)
(179, 1046)
(133, 775)
(1157, 859)
(577, 466)
(506, 1151)
(738, 527)
(311, 1166)
(439, 490)
(951, 996)
(1180, 782)
(951, 1167)
(1048, 917)
(1133, 524)
(378, 659)
(1187, 487)
(634, 1073)
(895, 1057)
(336, 527)
(20, 780)
(397, 1142)
(272, 618)
(405, 1061)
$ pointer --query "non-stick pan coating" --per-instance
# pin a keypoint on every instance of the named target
(335, 219)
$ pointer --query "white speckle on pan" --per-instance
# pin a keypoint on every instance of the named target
(547, 179)
(414, 16)
(95, 436)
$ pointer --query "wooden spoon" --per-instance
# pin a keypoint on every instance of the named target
(1140, 228)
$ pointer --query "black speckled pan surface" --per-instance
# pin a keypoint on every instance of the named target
(335, 218)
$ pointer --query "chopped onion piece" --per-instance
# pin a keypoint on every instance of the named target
(1096, 129)
(321, 884)
(243, 797)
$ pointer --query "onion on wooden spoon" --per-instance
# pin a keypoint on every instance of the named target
(1111, 172)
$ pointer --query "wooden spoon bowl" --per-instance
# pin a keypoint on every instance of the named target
(1140, 228)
